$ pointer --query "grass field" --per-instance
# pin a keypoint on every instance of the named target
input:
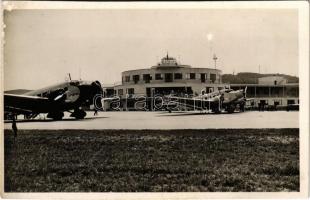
(152, 160)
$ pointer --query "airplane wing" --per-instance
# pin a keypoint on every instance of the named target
(109, 99)
(197, 103)
(25, 104)
(249, 99)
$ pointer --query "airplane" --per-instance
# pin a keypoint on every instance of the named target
(54, 100)
(223, 100)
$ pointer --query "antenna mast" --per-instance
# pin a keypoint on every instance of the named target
(80, 73)
(69, 76)
(214, 58)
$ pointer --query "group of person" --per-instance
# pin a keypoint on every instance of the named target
(263, 105)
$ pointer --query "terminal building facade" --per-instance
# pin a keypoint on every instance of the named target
(168, 77)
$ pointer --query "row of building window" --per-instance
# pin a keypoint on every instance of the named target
(129, 91)
(257, 91)
(169, 77)
(275, 102)
(264, 92)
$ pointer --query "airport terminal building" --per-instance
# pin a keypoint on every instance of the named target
(171, 77)
(167, 77)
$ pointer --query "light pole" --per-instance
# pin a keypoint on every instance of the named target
(214, 58)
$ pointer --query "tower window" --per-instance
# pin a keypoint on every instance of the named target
(120, 91)
(147, 78)
(136, 78)
(203, 77)
(213, 78)
(131, 91)
(127, 78)
(168, 77)
(158, 77)
(178, 76)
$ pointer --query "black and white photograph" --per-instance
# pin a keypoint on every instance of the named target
(178, 100)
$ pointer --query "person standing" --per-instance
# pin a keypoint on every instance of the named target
(14, 127)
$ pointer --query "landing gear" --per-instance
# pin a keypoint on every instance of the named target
(216, 110)
(30, 116)
(78, 114)
(242, 107)
(231, 108)
(55, 115)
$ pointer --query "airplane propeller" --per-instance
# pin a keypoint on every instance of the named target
(244, 93)
(70, 93)
(97, 87)
(60, 96)
(98, 94)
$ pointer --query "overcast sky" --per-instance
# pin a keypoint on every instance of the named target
(42, 46)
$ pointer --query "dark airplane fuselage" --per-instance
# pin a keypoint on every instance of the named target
(57, 98)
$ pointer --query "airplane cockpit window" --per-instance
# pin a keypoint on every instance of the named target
(42, 94)
(74, 83)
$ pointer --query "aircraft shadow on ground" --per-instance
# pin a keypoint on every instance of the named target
(196, 113)
(51, 120)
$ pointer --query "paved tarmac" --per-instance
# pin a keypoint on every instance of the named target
(165, 120)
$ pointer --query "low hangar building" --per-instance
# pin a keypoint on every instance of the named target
(271, 91)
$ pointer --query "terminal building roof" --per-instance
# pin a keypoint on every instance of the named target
(169, 62)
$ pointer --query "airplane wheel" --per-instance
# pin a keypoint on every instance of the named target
(78, 114)
(231, 109)
(56, 115)
(242, 107)
(216, 111)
